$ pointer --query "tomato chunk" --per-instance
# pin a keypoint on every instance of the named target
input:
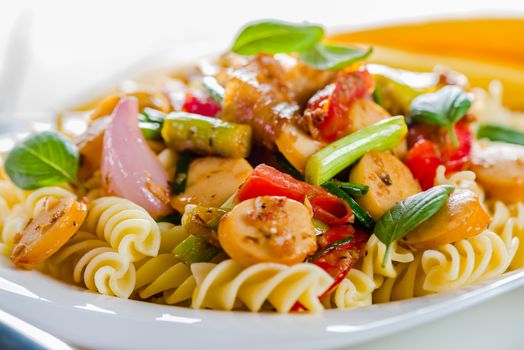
(431, 147)
(339, 259)
(327, 112)
(268, 181)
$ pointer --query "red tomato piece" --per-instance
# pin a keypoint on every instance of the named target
(202, 105)
(432, 146)
(329, 108)
(423, 162)
(339, 260)
(267, 181)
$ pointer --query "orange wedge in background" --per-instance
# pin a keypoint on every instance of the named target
(483, 49)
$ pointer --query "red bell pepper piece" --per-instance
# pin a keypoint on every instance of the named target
(432, 147)
(328, 109)
(200, 104)
(267, 181)
(338, 260)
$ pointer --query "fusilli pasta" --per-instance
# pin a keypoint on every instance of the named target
(127, 227)
(91, 262)
(228, 284)
(508, 223)
(355, 290)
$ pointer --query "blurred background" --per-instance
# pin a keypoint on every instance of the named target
(53, 53)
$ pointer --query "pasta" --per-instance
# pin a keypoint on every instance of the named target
(465, 262)
(89, 261)
(372, 261)
(354, 291)
(508, 223)
(125, 226)
(273, 182)
(228, 284)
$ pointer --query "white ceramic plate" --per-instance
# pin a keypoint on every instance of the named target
(96, 321)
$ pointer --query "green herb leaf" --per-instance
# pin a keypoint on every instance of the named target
(351, 188)
(408, 214)
(331, 57)
(44, 159)
(501, 133)
(444, 108)
(276, 37)
(362, 215)
(330, 247)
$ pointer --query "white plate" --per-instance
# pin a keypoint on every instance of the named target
(96, 321)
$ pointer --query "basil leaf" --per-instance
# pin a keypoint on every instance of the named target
(331, 57)
(408, 214)
(444, 107)
(500, 133)
(276, 37)
(44, 159)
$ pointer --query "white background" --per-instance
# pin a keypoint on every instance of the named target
(52, 51)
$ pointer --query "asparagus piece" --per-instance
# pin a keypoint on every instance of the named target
(203, 222)
(205, 135)
(335, 157)
(193, 249)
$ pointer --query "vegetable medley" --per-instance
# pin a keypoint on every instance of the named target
(288, 174)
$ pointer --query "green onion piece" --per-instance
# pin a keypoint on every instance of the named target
(330, 247)
(365, 219)
(151, 131)
(351, 188)
(500, 133)
(194, 249)
(182, 166)
(329, 161)
(287, 166)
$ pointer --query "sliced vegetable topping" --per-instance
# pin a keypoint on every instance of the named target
(339, 248)
(327, 114)
(443, 108)
(408, 214)
(329, 161)
(432, 146)
(361, 214)
(267, 181)
(194, 249)
(206, 135)
(331, 57)
(44, 159)
(129, 168)
(500, 133)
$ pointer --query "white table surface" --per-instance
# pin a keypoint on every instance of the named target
(62, 48)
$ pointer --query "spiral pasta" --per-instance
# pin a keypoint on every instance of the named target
(354, 291)
(372, 261)
(465, 262)
(39, 200)
(461, 179)
(89, 261)
(508, 223)
(127, 227)
(226, 285)
(449, 267)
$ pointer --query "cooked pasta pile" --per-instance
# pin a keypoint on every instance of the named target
(274, 182)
